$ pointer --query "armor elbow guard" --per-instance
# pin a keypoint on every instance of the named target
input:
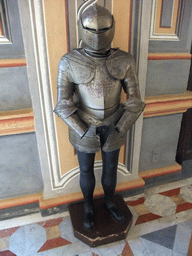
(65, 108)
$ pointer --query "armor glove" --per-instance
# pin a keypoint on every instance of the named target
(66, 109)
(133, 109)
(113, 130)
(75, 123)
(126, 121)
(113, 141)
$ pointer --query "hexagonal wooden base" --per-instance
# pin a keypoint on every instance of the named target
(106, 229)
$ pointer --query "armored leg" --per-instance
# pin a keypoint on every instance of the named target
(87, 184)
(109, 180)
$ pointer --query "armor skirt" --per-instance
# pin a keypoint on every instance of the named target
(90, 142)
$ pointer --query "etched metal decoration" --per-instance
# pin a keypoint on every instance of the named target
(90, 81)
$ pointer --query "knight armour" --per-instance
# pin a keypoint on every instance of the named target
(89, 94)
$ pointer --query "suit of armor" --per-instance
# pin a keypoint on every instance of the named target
(96, 83)
(90, 81)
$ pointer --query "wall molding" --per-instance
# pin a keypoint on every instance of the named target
(74, 197)
(35, 42)
(21, 200)
(160, 171)
(67, 181)
(157, 32)
(139, 49)
(167, 104)
(169, 56)
(5, 32)
(7, 63)
(16, 122)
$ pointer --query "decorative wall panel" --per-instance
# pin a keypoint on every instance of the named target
(176, 36)
(160, 135)
(19, 159)
(166, 20)
(169, 62)
(5, 34)
(14, 89)
(167, 76)
(167, 12)
(11, 43)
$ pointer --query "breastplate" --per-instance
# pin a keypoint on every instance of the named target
(101, 96)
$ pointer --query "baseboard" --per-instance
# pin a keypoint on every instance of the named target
(160, 171)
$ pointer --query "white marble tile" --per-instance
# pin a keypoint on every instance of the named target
(166, 187)
(135, 215)
(52, 252)
(85, 254)
(29, 219)
(95, 250)
(133, 198)
(155, 225)
(178, 254)
(138, 248)
(105, 251)
(113, 249)
(119, 246)
(66, 225)
(156, 249)
(186, 193)
(160, 205)
(27, 240)
(67, 250)
(188, 224)
(72, 250)
(66, 230)
(182, 239)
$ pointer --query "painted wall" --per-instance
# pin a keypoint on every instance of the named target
(20, 171)
(168, 68)
(19, 166)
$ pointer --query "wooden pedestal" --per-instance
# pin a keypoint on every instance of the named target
(106, 229)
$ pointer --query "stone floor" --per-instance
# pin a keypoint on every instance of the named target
(162, 226)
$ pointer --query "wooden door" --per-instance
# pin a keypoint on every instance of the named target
(184, 150)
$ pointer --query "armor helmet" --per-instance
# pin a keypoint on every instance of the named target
(96, 26)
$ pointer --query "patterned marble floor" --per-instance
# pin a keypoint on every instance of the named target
(162, 226)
